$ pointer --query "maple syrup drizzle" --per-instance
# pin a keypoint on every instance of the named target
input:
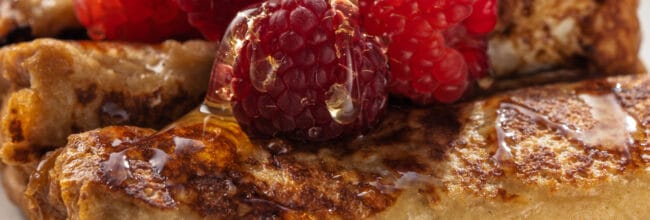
(614, 127)
(187, 145)
(116, 168)
(612, 130)
(158, 160)
(504, 152)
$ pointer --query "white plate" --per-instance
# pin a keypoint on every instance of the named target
(644, 13)
(9, 211)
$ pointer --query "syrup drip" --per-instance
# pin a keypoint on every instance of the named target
(158, 160)
(116, 168)
(615, 126)
(612, 130)
(503, 152)
(187, 145)
(342, 103)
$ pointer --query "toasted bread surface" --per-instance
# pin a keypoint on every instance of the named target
(56, 88)
(534, 36)
(524, 153)
(41, 18)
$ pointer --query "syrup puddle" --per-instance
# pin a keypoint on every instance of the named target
(612, 130)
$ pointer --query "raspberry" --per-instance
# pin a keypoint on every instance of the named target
(305, 71)
(212, 17)
(483, 18)
(436, 48)
(133, 20)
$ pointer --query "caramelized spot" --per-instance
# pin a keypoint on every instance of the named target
(505, 196)
(539, 162)
(85, 96)
(16, 131)
(215, 195)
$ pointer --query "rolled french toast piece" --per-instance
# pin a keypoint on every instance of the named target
(35, 18)
(56, 88)
(576, 150)
(532, 37)
(599, 37)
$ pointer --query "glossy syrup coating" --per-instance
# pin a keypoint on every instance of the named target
(205, 167)
(302, 70)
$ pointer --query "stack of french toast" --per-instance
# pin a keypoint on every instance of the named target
(117, 130)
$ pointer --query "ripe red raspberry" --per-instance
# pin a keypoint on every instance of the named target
(133, 20)
(212, 17)
(435, 48)
(305, 71)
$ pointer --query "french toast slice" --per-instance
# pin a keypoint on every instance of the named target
(56, 88)
(535, 36)
(41, 18)
(577, 150)
(532, 36)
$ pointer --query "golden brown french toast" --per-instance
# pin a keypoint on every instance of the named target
(531, 37)
(602, 36)
(56, 88)
(560, 151)
(43, 18)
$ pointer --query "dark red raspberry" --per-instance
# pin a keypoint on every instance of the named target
(212, 17)
(305, 71)
(436, 48)
(134, 20)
